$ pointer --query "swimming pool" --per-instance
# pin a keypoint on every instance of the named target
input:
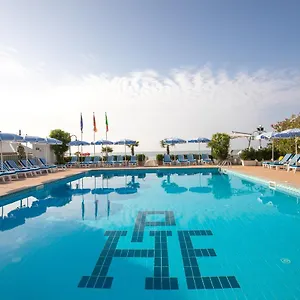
(157, 234)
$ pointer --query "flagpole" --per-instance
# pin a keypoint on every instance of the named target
(106, 129)
(81, 140)
(94, 146)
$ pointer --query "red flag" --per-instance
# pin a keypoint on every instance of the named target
(94, 123)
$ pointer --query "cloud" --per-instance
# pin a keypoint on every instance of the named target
(145, 105)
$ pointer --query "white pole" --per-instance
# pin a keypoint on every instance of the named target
(199, 151)
(81, 140)
(1, 156)
(26, 155)
(125, 152)
(94, 146)
(106, 145)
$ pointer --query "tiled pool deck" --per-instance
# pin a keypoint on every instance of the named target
(280, 177)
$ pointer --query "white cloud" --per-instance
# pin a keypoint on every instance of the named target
(146, 106)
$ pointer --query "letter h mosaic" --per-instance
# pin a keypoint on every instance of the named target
(161, 279)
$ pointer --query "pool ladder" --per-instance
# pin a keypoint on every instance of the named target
(226, 163)
(272, 185)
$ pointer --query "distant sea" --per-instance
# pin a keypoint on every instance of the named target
(152, 154)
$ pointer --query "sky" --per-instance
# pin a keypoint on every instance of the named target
(159, 68)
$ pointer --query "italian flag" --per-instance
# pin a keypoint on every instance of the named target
(106, 122)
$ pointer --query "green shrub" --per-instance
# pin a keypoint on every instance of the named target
(159, 157)
(219, 144)
(141, 157)
(260, 154)
(248, 154)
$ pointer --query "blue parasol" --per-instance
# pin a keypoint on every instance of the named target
(199, 141)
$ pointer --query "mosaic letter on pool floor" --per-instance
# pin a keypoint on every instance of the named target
(161, 279)
(194, 278)
(140, 223)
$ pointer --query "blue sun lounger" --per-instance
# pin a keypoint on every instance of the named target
(181, 160)
(35, 164)
(291, 161)
(30, 164)
(205, 159)
(12, 166)
(120, 160)
(73, 162)
(167, 160)
(110, 161)
(87, 162)
(54, 167)
(5, 173)
(283, 161)
(191, 159)
(132, 161)
(294, 165)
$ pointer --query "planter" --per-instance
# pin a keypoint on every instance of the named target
(246, 163)
(159, 162)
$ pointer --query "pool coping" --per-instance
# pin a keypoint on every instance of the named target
(278, 186)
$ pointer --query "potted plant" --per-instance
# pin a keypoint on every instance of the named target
(159, 159)
(248, 157)
(141, 159)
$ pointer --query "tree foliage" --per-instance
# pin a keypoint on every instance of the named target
(132, 147)
(109, 149)
(219, 144)
(167, 146)
(21, 152)
(287, 145)
(59, 150)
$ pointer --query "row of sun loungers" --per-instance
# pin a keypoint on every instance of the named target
(31, 167)
(289, 162)
(190, 160)
(96, 162)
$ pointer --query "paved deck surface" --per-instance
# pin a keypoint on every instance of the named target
(280, 176)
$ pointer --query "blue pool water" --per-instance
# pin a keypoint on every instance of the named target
(158, 235)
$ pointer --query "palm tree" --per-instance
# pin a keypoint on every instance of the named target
(107, 148)
(132, 147)
(167, 146)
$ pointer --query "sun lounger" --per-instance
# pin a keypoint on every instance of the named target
(205, 159)
(132, 161)
(12, 166)
(191, 159)
(42, 162)
(110, 161)
(87, 162)
(294, 163)
(73, 162)
(35, 162)
(283, 161)
(120, 160)
(32, 164)
(96, 161)
(181, 160)
(167, 160)
(5, 173)
(291, 162)
(265, 164)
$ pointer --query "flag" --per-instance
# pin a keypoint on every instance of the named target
(81, 123)
(106, 122)
(94, 123)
